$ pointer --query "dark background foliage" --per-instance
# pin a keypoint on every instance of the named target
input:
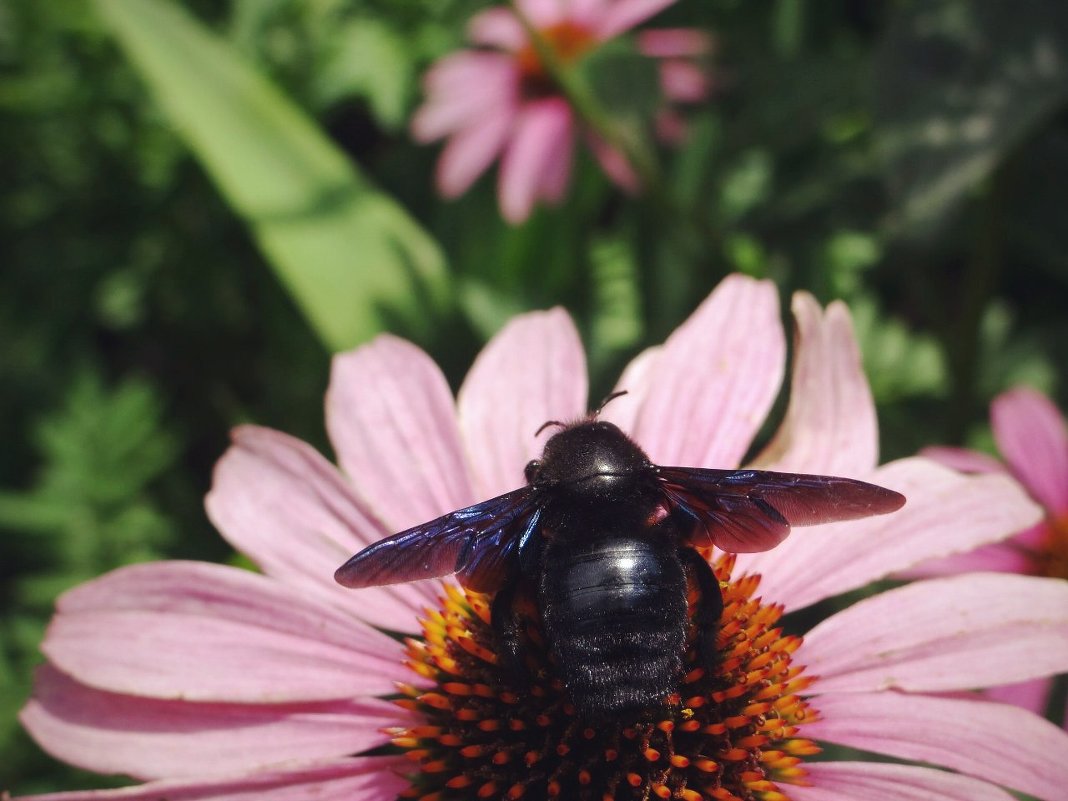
(909, 157)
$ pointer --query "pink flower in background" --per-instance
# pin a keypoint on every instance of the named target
(210, 682)
(499, 100)
(1032, 437)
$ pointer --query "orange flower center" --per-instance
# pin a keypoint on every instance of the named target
(567, 40)
(1053, 559)
(728, 734)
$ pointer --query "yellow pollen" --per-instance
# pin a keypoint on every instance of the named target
(731, 735)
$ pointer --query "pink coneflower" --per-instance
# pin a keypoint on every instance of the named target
(212, 682)
(1033, 439)
(502, 100)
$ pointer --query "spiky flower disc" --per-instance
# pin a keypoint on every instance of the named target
(726, 735)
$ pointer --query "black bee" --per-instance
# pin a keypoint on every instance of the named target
(604, 540)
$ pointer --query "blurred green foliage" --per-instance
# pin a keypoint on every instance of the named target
(353, 260)
(88, 509)
(175, 229)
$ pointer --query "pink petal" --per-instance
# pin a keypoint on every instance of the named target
(535, 148)
(872, 781)
(543, 13)
(976, 630)
(280, 502)
(471, 151)
(456, 74)
(717, 377)
(555, 179)
(201, 632)
(946, 513)
(830, 424)
(355, 779)
(458, 109)
(392, 420)
(638, 376)
(614, 164)
(674, 43)
(1030, 695)
(150, 738)
(963, 459)
(1000, 557)
(532, 371)
(625, 14)
(497, 27)
(684, 82)
(1031, 435)
(991, 741)
(587, 12)
(1035, 538)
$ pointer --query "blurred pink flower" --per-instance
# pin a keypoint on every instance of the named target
(501, 100)
(1032, 437)
(210, 682)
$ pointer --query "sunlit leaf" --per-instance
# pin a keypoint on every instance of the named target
(352, 258)
(747, 183)
(369, 59)
(746, 254)
(846, 255)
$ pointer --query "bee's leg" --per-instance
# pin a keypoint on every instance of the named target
(508, 626)
(709, 606)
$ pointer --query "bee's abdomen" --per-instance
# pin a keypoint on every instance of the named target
(614, 609)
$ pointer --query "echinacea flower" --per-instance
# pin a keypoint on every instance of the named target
(1032, 436)
(210, 682)
(501, 99)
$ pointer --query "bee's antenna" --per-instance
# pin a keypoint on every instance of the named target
(548, 423)
(608, 400)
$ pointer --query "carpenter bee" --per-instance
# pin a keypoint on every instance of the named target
(603, 541)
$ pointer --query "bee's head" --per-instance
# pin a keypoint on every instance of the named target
(591, 462)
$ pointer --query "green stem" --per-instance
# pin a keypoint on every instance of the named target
(590, 111)
(978, 287)
(684, 229)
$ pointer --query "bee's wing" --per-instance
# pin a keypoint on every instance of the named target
(480, 542)
(752, 510)
(490, 558)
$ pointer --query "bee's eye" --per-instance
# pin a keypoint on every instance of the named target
(531, 470)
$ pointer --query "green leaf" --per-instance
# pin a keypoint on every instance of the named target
(617, 322)
(846, 256)
(746, 254)
(372, 60)
(747, 183)
(960, 84)
(353, 259)
(625, 82)
(788, 27)
(90, 507)
(1011, 356)
(899, 363)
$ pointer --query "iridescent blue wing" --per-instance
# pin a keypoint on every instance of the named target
(752, 510)
(479, 542)
(490, 558)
